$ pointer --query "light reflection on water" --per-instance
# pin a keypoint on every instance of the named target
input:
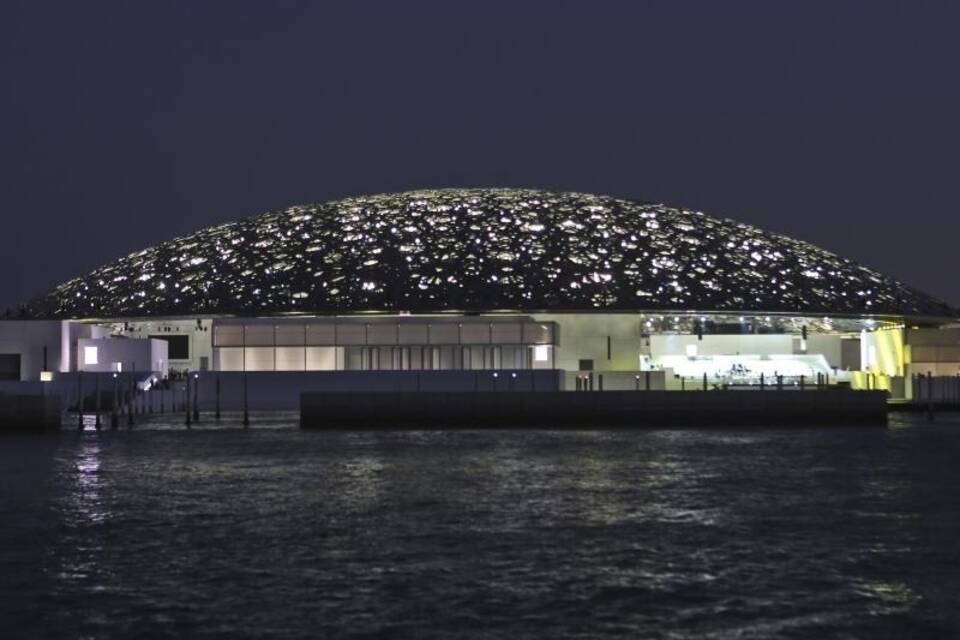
(271, 531)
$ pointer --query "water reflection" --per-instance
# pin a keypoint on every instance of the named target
(686, 534)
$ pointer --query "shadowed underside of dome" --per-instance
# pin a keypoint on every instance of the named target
(481, 250)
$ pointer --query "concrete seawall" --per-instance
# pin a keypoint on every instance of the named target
(20, 412)
(553, 409)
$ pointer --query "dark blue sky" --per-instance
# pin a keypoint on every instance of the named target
(125, 124)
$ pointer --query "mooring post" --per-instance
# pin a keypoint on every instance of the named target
(779, 382)
(246, 405)
(647, 376)
(930, 396)
(761, 381)
(600, 381)
(80, 400)
(217, 413)
(704, 380)
(96, 380)
(114, 422)
(186, 391)
(132, 396)
(196, 397)
(802, 378)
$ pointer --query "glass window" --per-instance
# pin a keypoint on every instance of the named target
(291, 359)
(291, 335)
(475, 333)
(381, 333)
(507, 333)
(321, 334)
(230, 335)
(413, 334)
(351, 334)
(258, 335)
(444, 333)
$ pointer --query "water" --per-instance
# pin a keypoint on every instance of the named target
(277, 533)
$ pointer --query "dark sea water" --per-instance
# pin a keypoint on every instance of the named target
(276, 533)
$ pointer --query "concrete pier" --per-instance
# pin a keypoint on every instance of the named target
(29, 412)
(557, 409)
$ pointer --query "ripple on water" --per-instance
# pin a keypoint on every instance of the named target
(274, 532)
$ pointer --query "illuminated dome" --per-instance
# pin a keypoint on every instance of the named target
(463, 250)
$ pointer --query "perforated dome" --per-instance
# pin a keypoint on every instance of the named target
(482, 250)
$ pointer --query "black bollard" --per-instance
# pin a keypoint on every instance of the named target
(218, 397)
(647, 376)
(600, 382)
(761, 381)
(802, 379)
(704, 381)
(929, 396)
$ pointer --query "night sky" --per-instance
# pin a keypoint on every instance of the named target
(125, 124)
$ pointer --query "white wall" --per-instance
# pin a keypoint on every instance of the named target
(720, 345)
(144, 355)
(828, 345)
(28, 338)
(200, 336)
(584, 336)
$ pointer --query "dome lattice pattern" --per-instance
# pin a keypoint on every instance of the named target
(482, 250)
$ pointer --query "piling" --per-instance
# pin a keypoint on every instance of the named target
(97, 386)
(80, 400)
(246, 406)
(186, 391)
(196, 397)
(114, 420)
(131, 394)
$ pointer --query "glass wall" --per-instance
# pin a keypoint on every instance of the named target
(297, 345)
